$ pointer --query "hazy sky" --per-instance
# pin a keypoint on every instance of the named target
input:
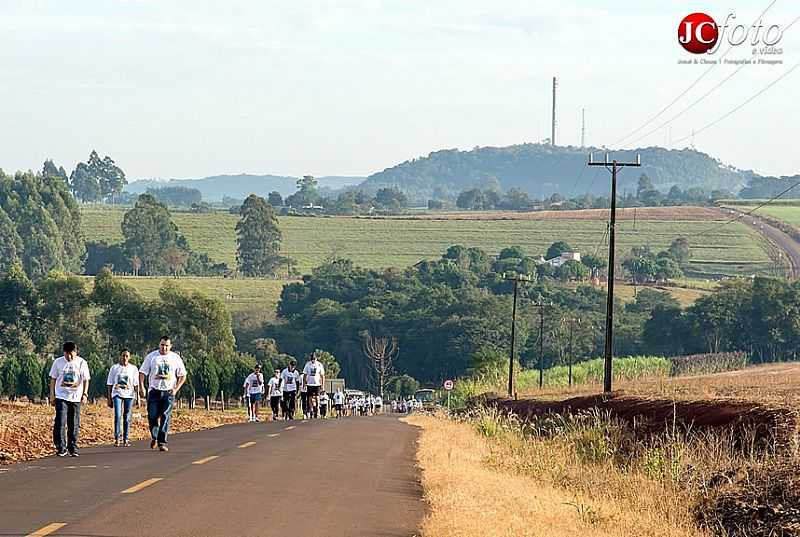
(189, 89)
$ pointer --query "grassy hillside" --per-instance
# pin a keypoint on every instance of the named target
(378, 243)
(252, 295)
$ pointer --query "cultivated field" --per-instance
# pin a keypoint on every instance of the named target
(787, 213)
(239, 294)
(398, 242)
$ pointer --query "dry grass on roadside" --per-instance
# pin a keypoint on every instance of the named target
(26, 429)
(496, 485)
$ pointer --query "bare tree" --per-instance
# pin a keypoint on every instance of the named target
(381, 352)
(136, 263)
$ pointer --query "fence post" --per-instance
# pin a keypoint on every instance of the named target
(208, 402)
(222, 399)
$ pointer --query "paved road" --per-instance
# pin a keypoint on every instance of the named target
(351, 477)
(789, 246)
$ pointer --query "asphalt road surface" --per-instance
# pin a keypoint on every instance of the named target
(349, 477)
(789, 246)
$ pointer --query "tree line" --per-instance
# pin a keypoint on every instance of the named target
(108, 316)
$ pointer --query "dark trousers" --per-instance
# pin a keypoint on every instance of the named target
(289, 399)
(304, 402)
(159, 412)
(274, 403)
(68, 414)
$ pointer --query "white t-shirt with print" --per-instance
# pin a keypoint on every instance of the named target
(123, 378)
(254, 383)
(274, 387)
(290, 380)
(163, 370)
(313, 372)
(69, 376)
(323, 399)
(338, 398)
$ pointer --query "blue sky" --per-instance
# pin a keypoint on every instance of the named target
(188, 89)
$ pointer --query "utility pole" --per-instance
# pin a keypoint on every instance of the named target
(553, 124)
(583, 128)
(541, 307)
(572, 322)
(516, 279)
(614, 167)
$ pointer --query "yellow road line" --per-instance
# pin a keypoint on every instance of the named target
(273, 435)
(247, 444)
(289, 428)
(206, 459)
(140, 486)
(47, 530)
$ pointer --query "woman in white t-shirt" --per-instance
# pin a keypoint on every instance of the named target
(123, 379)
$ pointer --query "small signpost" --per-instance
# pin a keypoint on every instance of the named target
(448, 386)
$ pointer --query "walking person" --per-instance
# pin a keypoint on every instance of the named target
(275, 393)
(165, 374)
(338, 403)
(254, 387)
(290, 378)
(323, 404)
(69, 387)
(123, 379)
(301, 382)
(313, 381)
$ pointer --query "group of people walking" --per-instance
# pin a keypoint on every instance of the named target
(158, 381)
(161, 376)
(283, 389)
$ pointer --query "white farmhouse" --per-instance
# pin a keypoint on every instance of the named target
(563, 258)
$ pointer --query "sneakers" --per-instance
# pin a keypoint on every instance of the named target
(256, 419)
(163, 447)
(73, 453)
(61, 453)
(117, 442)
(153, 444)
(126, 443)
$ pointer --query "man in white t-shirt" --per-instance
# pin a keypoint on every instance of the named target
(123, 379)
(165, 374)
(290, 378)
(254, 387)
(69, 387)
(313, 380)
(338, 402)
(275, 393)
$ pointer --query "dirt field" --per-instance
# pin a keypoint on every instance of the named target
(26, 430)
(640, 213)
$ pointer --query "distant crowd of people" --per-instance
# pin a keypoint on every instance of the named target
(161, 376)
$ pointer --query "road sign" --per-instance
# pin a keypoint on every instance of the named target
(448, 385)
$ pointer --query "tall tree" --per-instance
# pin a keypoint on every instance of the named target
(149, 231)
(10, 243)
(258, 238)
(84, 185)
(275, 199)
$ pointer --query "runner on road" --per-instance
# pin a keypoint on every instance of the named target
(254, 387)
(290, 378)
(275, 393)
(69, 387)
(313, 381)
(165, 374)
(123, 379)
(338, 403)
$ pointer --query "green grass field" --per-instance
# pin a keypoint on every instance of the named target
(378, 243)
(787, 213)
(251, 295)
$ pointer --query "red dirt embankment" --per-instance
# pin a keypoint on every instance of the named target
(650, 414)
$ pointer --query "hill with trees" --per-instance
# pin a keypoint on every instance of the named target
(542, 170)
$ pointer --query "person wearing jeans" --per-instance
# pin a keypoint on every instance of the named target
(123, 378)
(165, 374)
(69, 387)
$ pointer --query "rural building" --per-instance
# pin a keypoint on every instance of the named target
(563, 258)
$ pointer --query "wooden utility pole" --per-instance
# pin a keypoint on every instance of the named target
(541, 307)
(553, 124)
(612, 167)
(516, 279)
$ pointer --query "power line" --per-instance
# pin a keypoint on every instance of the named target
(691, 86)
(742, 215)
(695, 103)
(739, 107)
